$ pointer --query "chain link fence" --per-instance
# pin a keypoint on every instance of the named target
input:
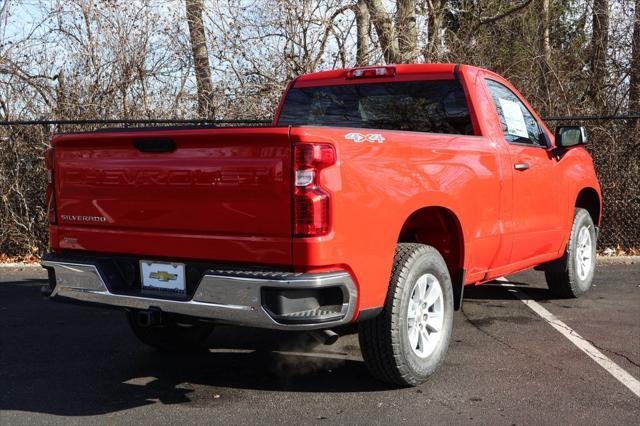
(614, 144)
(615, 147)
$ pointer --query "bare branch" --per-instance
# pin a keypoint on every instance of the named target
(499, 16)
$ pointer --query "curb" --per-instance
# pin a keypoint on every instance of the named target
(19, 265)
(618, 260)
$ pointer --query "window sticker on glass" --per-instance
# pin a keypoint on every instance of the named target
(514, 119)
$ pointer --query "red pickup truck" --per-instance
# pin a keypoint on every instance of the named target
(377, 194)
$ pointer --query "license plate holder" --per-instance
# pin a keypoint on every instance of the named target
(163, 276)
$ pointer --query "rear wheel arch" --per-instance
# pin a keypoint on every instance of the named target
(439, 227)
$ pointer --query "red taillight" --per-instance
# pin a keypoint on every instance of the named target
(317, 156)
(372, 72)
(311, 203)
(49, 162)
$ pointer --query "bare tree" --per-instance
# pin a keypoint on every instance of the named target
(385, 31)
(399, 41)
(363, 25)
(435, 14)
(544, 40)
(200, 57)
(503, 14)
(599, 45)
(543, 58)
(406, 30)
(634, 89)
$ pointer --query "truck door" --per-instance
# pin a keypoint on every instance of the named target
(536, 211)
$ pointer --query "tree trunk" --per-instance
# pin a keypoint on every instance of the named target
(406, 30)
(599, 43)
(436, 23)
(634, 90)
(362, 30)
(384, 30)
(200, 58)
(61, 98)
(543, 64)
(544, 43)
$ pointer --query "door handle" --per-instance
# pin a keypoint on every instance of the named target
(521, 166)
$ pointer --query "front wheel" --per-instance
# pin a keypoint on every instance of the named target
(572, 274)
(408, 341)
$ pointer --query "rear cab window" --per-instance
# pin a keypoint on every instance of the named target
(434, 106)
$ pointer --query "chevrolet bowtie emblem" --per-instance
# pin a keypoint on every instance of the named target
(163, 276)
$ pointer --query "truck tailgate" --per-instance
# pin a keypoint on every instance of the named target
(219, 188)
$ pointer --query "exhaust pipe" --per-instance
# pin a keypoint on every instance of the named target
(325, 337)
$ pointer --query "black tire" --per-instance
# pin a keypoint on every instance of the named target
(172, 335)
(563, 276)
(384, 340)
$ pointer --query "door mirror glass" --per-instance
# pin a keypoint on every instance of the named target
(567, 136)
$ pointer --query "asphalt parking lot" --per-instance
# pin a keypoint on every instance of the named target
(70, 364)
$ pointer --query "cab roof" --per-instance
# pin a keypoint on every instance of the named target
(403, 72)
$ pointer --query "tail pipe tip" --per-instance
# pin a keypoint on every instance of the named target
(325, 337)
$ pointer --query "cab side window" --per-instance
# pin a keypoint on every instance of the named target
(518, 124)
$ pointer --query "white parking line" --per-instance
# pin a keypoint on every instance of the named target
(614, 369)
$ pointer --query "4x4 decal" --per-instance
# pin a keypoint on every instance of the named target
(368, 137)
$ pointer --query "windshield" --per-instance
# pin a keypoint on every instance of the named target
(421, 106)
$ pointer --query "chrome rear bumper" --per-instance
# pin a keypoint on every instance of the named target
(224, 296)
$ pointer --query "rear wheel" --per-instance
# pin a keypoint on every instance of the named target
(172, 334)
(408, 341)
(572, 274)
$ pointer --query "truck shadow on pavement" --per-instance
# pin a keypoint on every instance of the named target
(494, 290)
(77, 361)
